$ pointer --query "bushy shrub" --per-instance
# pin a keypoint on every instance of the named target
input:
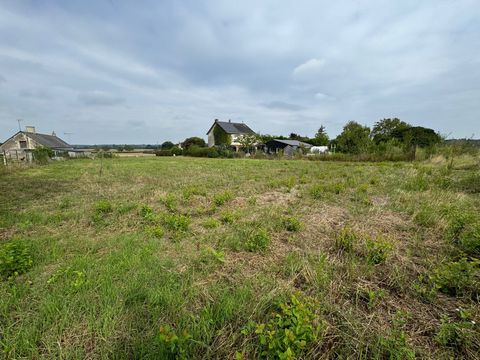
(42, 154)
(378, 250)
(163, 152)
(197, 151)
(456, 277)
(175, 150)
(225, 152)
(15, 259)
(257, 241)
(290, 331)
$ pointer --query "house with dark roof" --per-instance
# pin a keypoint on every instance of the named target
(19, 146)
(227, 133)
(289, 147)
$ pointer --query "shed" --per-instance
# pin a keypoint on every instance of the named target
(289, 147)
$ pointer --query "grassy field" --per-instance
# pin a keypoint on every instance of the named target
(207, 258)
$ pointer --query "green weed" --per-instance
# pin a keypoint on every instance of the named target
(394, 344)
(103, 207)
(346, 240)
(378, 250)
(258, 241)
(223, 197)
(211, 223)
(15, 258)
(155, 231)
(172, 345)
(459, 333)
(177, 222)
(290, 331)
(457, 277)
(170, 202)
(320, 191)
(291, 223)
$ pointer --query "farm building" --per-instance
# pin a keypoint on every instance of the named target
(289, 147)
(19, 147)
(227, 133)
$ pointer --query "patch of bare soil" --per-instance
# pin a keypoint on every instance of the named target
(278, 198)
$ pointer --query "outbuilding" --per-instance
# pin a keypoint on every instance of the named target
(19, 147)
(289, 147)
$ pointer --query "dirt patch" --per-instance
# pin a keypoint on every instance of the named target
(278, 197)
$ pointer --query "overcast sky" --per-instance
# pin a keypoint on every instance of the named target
(145, 72)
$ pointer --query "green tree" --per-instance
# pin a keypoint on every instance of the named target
(354, 139)
(386, 129)
(321, 137)
(193, 141)
(167, 145)
(247, 141)
(417, 136)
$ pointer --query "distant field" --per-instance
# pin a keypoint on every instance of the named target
(209, 258)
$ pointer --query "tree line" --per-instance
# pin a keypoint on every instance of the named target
(386, 135)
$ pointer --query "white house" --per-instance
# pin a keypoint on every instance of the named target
(229, 128)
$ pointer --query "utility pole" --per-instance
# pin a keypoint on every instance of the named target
(19, 127)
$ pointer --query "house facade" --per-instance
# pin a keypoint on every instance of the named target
(227, 133)
(19, 146)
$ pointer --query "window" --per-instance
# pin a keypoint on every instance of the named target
(23, 144)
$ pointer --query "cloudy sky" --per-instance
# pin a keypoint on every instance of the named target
(145, 72)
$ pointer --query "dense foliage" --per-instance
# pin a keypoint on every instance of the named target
(194, 141)
(221, 137)
(42, 154)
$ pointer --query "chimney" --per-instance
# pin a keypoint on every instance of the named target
(30, 129)
(53, 133)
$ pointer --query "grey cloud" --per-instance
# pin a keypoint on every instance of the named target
(282, 105)
(2, 79)
(136, 123)
(34, 94)
(100, 98)
(277, 68)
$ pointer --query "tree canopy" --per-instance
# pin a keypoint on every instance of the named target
(194, 141)
(321, 137)
(354, 139)
(387, 129)
(167, 145)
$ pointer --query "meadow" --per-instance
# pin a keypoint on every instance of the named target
(165, 258)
